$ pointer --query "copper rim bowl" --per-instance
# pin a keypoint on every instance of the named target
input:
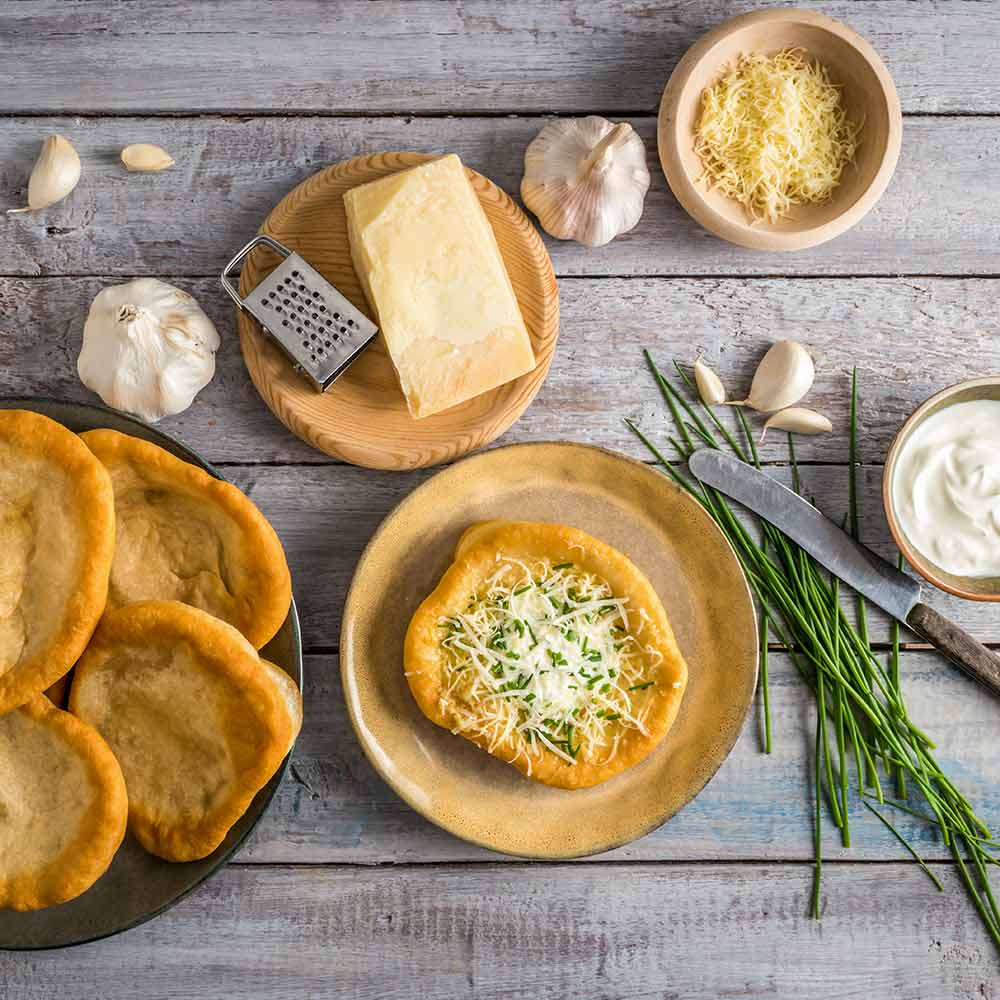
(986, 588)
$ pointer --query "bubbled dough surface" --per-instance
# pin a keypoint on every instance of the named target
(45, 791)
(40, 554)
(181, 737)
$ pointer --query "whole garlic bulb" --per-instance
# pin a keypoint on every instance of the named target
(147, 348)
(586, 179)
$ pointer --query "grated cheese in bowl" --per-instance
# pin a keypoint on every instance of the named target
(773, 133)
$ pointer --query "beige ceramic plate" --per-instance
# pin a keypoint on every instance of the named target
(363, 418)
(632, 507)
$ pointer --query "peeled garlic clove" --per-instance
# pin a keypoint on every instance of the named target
(783, 377)
(144, 157)
(797, 420)
(55, 174)
(710, 386)
(586, 179)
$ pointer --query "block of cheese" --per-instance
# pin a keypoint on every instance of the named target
(432, 271)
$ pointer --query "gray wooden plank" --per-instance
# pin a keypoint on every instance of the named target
(909, 337)
(429, 57)
(940, 215)
(326, 514)
(621, 931)
(333, 807)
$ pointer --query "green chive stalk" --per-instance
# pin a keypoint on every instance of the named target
(858, 696)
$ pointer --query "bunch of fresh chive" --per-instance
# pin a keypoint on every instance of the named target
(861, 713)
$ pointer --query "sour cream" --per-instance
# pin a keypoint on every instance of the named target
(946, 488)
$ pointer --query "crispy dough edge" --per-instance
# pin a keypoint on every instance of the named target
(87, 857)
(475, 552)
(221, 649)
(291, 697)
(95, 503)
(273, 580)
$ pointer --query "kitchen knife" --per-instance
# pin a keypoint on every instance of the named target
(867, 573)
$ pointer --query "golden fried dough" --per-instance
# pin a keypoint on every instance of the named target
(57, 536)
(291, 696)
(196, 721)
(186, 536)
(63, 806)
(550, 650)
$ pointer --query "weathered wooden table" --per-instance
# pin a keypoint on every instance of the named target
(344, 890)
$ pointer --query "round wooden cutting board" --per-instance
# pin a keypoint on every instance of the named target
(363, 417)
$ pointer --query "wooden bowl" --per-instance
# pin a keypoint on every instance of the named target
(973, 588)
(868, 94)
(362, 418)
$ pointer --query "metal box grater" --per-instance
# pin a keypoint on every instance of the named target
(316, 326)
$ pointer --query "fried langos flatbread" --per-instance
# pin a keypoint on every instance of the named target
(63, 806)
(550, 650)
(186, 536)
(198, 722)
(57, 536)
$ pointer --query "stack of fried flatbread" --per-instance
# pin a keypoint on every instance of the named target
(159, 583)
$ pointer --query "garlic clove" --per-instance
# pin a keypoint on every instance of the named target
(710, 386)
(55, 174)
(784, 375)
(797, 420)
(586, 179)
(147, 348)
(144, 157)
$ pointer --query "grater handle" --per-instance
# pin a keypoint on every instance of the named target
(232, 289)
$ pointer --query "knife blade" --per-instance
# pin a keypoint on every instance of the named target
(869, 574)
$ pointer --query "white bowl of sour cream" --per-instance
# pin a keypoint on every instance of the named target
(941, 489)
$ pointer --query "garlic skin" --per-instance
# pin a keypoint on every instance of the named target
(586, 179)
(145, 158)
(55, 173)
(147, 348)
(797, 420)
(784, 375)
(710, 387)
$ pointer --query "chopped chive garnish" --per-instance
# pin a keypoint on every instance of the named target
(642, 687)
(562, 566)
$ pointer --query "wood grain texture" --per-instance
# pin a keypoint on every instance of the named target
(427, 57)
(940, 214)
(929, 333)
(363, 417)
(333, 808)
(909, 337)
(615, 932)
(325, 515)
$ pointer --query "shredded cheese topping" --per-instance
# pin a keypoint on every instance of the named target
(547, 659)
(773, 134)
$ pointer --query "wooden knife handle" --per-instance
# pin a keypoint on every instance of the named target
(973, 657)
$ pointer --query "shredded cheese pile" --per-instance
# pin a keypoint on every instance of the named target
(773, 134)
(546, 658)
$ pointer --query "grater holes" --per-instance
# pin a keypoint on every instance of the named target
(343, 329)
(322, 308)
(295, 274)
